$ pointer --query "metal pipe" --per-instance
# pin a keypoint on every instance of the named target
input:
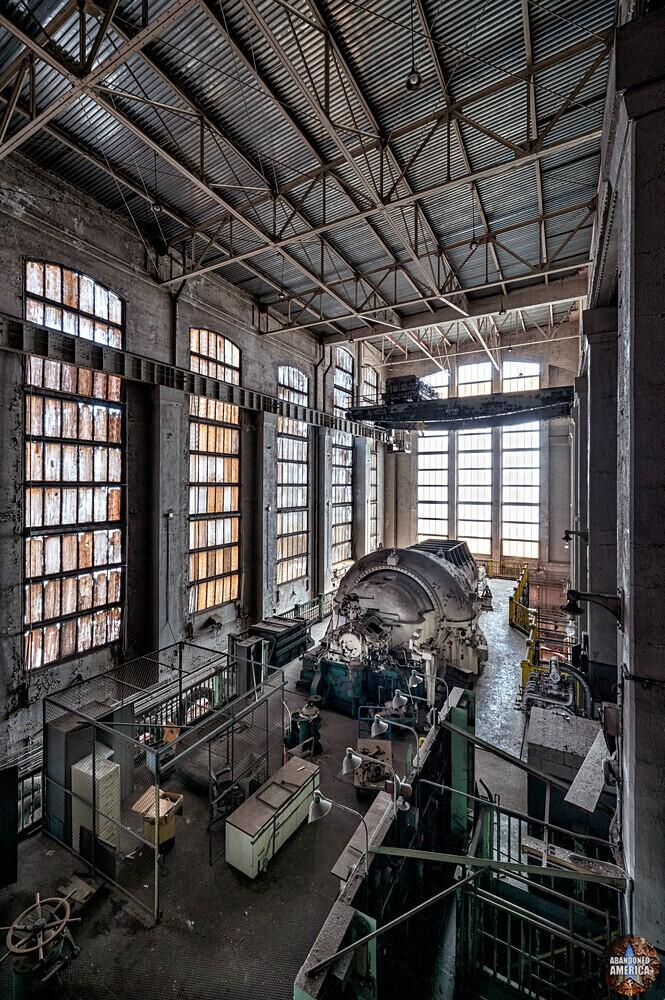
(320, 966)
(469, 860)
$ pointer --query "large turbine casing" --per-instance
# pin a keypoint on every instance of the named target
(424, 588)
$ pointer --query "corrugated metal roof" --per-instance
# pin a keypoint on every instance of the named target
(282, 92)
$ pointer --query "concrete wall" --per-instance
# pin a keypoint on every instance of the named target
(40, 217)
(629, 279)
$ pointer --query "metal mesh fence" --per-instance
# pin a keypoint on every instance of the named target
(248, 749)
(93, 776)
(106, 754)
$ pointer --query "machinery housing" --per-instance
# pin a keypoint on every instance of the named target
(399, 610)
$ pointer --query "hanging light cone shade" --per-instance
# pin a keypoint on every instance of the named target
(351, 762)
(572, 608)
(415, 679)
(379, 727)
(319, 808)
(399, 701)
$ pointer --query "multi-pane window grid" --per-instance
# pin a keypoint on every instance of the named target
(66, 300)
(342, 465)
(292, 480)
(433, 485)
(73, 511)
(474, 490)
(474, 379)
(370, 386)
(214, 478)
(520, 491)
(439, 381)
(373, 497)
(520, 375)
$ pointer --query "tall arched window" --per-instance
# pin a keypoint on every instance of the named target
(292, 480)
(342, 466)
(214, 478)
(74, 475)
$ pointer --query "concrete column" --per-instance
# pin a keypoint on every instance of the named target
(401, 496)
(380, 492)
(599, 327)
(556, 505)
(497, 439)
(170, 553)
(578, 571)
(641, 463)
(323, 527)
(13, 679)
(267, 513)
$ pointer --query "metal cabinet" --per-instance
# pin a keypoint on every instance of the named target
(265, 821)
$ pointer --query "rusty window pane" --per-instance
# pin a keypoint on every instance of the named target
(51, 643)
(69, 506)
(34, 311)
(34, 277)
(52, 560)
(85, 421)
(71, 289)
(71, 570)
(84, 638)
(85, 549)
(69, 419)
(52, 418)
(67, 639)
(69, 553)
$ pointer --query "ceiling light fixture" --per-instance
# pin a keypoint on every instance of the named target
(414, 79)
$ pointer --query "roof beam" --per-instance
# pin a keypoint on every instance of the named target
(123, 179)
(221, 132)
(565, 145)
(562, 290)
(80, 83)
(332, 132)
(442, 116)
(318, 11)
(141, 38)
(455, 126)
(318, 176)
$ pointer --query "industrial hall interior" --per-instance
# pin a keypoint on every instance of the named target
(332, 504)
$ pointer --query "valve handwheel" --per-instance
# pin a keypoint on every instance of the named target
(38, 927)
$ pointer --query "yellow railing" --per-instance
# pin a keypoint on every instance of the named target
(520, 615)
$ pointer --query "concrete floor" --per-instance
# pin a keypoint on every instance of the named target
(497, 720)
(222, 935)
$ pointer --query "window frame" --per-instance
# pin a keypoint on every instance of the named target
(32, 390)
(438, 468)
(195, 418)
(93, 317)
(305, 438)
(342, 441)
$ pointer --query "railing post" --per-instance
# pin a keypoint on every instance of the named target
(181, 719)
(156, 845)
